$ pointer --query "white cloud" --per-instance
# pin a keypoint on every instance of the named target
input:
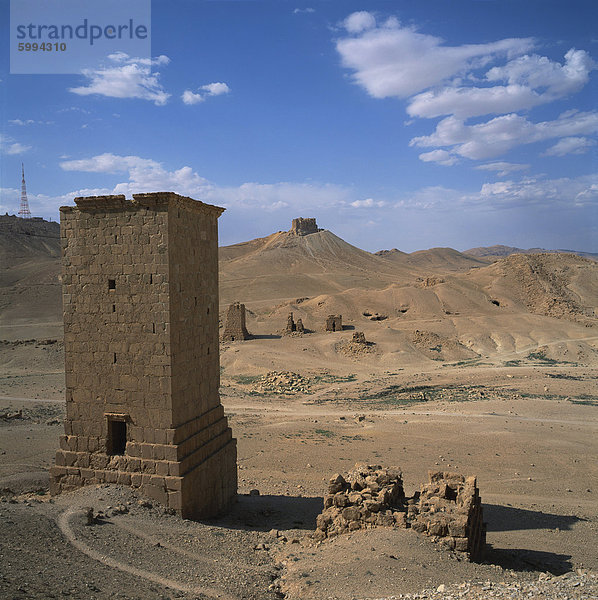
(147, 175)
(308, 10)
(391, 60)
(211, 89)
(497, 136)
(216, 89)
(359, 21)
(553, 193)
(368, 203)
(538, 192)
(502, 168)
(442, 157)
(189, 97)
(9, 145)
(431, 197)
(531, 81)
(470, 102)
(126, 77)
(281, 195)
(538, 72)
(570, 145)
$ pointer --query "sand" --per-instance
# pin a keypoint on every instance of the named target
(451, 381)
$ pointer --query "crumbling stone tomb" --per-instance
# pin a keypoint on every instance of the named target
(293, 327)
(448, 508)
(358, 337)
(334, 323)
(234, 328)
(302, 226)
(140, 301)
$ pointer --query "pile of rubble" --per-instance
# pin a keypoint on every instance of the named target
(356, 346)
(282, 382)
(371, 495)
(448, 508)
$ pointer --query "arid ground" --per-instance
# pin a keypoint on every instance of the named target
(480, 366)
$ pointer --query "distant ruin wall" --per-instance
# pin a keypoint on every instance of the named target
(291, 326)
(303, 226)
(235, 328)
(334, 323)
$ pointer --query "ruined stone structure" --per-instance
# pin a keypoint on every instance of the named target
(358, 337)
(291, 326)
(334, 323)
(448, 508)
(140, 300)
(301, 226)
(235, 328)
(300, 326)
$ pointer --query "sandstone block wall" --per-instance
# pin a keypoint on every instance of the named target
(450, 508)
(140, 301)
(234, 327)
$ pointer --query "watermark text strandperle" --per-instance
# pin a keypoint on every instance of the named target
(84, 31)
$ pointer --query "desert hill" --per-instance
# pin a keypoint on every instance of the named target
(563, 286)
(436, 304)
(30, 268)
(435, 259)
(498, 251)
(28, 238)
(286, 265)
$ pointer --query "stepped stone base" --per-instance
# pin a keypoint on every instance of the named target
(191, 469)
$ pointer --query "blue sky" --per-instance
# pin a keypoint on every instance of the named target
(407, 124)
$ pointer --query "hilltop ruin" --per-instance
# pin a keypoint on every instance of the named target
(304, 226)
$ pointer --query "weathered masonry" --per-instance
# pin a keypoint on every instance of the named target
(235, 328)
(140, 298)
(334, 323)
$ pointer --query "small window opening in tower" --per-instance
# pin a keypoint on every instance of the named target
(114, 358)
(114, 308)
(151, 278)
(116, 442)
(112, 284)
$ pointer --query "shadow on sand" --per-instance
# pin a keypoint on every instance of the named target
(263, 513)
(522, 559)
(509, 518)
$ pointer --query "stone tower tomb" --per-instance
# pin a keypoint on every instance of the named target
(234, 327)
(140, 301)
